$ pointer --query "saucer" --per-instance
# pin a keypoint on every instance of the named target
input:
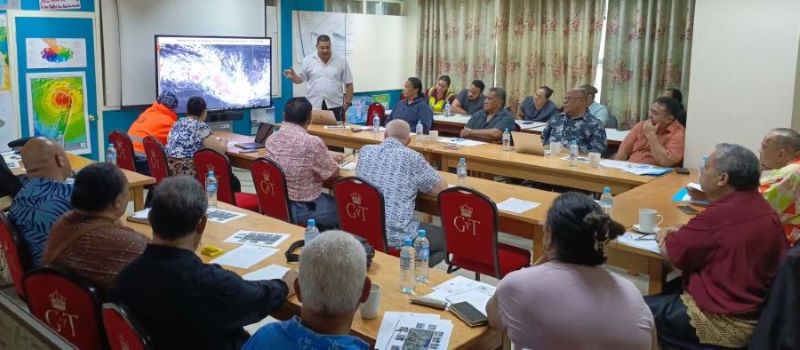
(637, 229)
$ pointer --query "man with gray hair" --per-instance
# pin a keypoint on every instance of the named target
(400, 173)
(780, 181)
(181, 302)
(577, 125)
(729, 255)
(489, 123)
(333, 281)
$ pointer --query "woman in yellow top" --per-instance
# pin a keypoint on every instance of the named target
(440, 94)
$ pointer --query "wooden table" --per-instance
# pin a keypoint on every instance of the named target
(385, 270)
(136, 181)
(655, 193)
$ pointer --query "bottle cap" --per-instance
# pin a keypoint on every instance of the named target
(606, 189)
(420, 233)
(211, 173)
(408, 242)
(311, 222)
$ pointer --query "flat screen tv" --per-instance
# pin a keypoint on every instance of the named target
(231, 73)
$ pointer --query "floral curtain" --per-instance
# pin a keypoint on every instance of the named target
(547, 42)
(457, 38)
(647, 50)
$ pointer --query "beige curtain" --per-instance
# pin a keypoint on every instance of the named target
(457, 38)
(647, 50)
(547, 42)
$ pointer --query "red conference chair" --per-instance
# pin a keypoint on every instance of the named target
(122, 143)
(68, 305)
(270, 183)
(207, 159)
(469, 221)
(156, 158)
(122, 331)
(362, 211)
(376, 107)
(16, 256)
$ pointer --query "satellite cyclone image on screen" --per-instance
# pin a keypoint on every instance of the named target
(228, 73)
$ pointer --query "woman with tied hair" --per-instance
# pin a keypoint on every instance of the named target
(441, 94)
(569, 301)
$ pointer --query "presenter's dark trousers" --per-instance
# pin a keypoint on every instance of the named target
(337, 112)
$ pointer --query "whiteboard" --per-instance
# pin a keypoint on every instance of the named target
(377, 50)
(140, 20)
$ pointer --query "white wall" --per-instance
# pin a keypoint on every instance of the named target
(743, 72)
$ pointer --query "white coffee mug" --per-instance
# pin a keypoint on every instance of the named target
(594, 159)
(647, 220)
(434, 135)
(369, 309)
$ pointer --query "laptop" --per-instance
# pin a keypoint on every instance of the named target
(264, 130)
(528, 143)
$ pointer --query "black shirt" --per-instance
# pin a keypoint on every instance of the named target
(183, 303)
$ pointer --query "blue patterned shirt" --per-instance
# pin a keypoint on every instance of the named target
(186, 137)
(37, 205)
(588, 131)
(292, 334)
(399, 173)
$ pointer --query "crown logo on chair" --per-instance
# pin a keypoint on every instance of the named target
(466, 211)
(58, 301)
(265, 176)
(355, 198)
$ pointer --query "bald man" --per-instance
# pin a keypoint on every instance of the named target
(44, 195)
(780, 182)
(400, 173)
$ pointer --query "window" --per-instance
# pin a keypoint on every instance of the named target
(386, 7)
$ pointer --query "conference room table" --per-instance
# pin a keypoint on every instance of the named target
(385, 271)
(136, 181)
(654, 194)
(490, 158)
(452, 126)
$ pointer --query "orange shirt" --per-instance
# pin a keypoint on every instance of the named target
(638, 149)
(155, 121)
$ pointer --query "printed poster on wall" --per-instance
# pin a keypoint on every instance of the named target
(58, 108)
(59, 4)
(8, 123)
(55, 53)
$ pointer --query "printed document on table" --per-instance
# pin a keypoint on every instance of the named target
(517, 206)
(264, 239)
(271, 272)
(222, 216)
(405, 330)
(460, 141)
(245, 256)
(646, 242)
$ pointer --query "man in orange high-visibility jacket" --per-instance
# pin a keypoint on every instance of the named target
(155, 121)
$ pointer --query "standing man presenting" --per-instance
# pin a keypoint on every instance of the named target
(325, 75)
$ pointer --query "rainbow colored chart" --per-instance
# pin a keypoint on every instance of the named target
(57, 106)
(56, 53)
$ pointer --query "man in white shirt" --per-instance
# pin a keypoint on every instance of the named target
(325, 75)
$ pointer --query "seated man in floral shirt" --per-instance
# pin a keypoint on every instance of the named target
(576, 124)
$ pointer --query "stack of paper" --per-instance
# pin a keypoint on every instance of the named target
(646, 242)
(634, 168)
(460, 141)
(516, 206)
(223, 216)
(271, 272)
(245, 256)
(407, 330)
(461, 289)
(263, 239)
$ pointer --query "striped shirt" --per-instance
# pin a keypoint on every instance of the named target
(39, 203)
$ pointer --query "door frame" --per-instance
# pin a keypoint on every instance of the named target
(12, 15)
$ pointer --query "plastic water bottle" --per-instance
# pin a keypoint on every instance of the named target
(607, 201)
(420, 131)
(376, 125)
(506, 140)
(111, 155)
(703, 162)
(461, 171)
(211, 189)
(573, 154)
(423, 249)
(311, 231)
(407, 268)
(447, 109)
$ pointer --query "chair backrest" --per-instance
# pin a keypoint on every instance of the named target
(122, 331)
(361, 210)
(122, 143)
(270, 183)
(469, 222)
(208, 159)
(156, 158)
(376, 107)
(16, 258)
(68, 305)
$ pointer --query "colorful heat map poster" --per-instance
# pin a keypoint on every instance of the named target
(8, 122)
(58, 106)
(55, 53)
